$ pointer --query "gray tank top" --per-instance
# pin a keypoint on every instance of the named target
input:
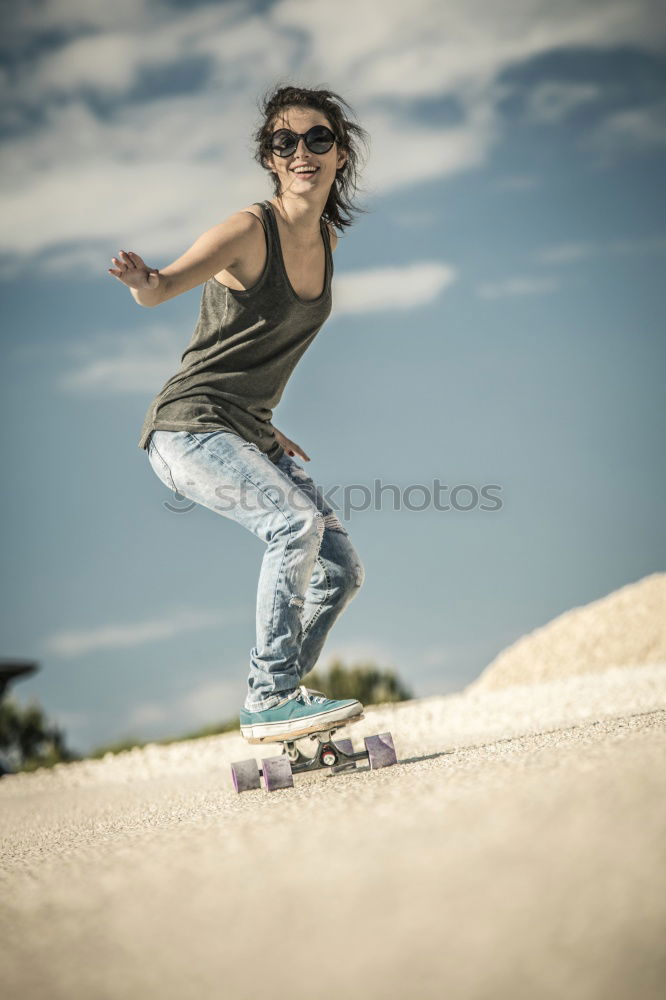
(243, 350)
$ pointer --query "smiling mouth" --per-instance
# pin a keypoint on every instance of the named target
(306, 171)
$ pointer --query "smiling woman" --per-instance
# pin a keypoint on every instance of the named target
(277, 110)
(266, 273)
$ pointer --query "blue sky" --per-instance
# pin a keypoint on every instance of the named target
(498, 319)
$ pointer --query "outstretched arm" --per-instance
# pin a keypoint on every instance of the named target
(215, 250)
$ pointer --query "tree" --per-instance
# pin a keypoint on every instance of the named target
(28, 740)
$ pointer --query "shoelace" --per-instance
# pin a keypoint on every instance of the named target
(305, 693)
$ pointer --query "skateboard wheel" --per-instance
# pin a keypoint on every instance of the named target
(245, 774)
(345, 765)
(346, 746)
(277, 773)
(381, 752)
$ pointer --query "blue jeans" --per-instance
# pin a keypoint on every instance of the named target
(310, 570)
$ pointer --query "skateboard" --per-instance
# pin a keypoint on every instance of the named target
(333, 755)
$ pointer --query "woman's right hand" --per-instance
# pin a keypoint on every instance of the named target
(132, 271)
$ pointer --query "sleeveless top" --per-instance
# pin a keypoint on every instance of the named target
(244, 348)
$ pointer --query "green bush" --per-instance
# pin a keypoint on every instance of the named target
(365, 682)
(28, 739)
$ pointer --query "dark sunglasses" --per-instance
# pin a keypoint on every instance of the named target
(318, 139)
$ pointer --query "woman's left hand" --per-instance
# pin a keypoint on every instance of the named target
(290, 446)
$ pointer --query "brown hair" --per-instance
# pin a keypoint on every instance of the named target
(339, 208)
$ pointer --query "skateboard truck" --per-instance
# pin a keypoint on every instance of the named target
(333, 755)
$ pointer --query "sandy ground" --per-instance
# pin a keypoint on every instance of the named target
(518, 849)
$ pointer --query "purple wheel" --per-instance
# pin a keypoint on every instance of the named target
(277, 773)
(347, 747)
(245, 774)
(381, 752)
(345, 765)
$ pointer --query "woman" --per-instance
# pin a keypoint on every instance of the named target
(266, 274)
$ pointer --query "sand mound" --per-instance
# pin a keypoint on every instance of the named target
(626, 628)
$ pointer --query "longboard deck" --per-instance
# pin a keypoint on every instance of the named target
(312, 730)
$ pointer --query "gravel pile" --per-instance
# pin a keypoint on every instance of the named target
(627, 629)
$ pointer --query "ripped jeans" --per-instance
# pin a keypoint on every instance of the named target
(310, 570)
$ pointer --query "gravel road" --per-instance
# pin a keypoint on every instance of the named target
(518, 850)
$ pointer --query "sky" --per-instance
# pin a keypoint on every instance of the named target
(498, 321)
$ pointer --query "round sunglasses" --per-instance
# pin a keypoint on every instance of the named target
(318, 139)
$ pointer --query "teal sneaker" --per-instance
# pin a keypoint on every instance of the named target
(301, 712)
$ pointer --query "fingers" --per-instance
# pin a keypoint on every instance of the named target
(124, 262)
(126, 259)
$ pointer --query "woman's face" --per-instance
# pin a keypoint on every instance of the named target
(299, 120)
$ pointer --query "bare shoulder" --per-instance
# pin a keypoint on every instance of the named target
(253, 210)
(248, 231)
(220, 247)
(234, 226)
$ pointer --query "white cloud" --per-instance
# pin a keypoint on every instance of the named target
(152, 176)
(648, 244)
(127, 362)
(69, 643)
(413, 219)
(516, 286)
(627, 132)
(384, 288)
(425, 47)
(554, 100)
(147, 714)
(68, 720)
(212, 700)
(436, 656)
(68, 16)
(102, 197)
(569, 253)
(354, 652)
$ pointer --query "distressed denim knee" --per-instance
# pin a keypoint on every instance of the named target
(354, 579)
(307, 522)
(359, 575)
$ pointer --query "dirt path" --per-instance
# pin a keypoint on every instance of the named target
(518, 850)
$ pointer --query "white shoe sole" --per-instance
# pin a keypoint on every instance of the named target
(277, 732)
